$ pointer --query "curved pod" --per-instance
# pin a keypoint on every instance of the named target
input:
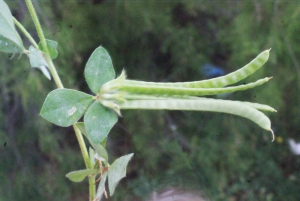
(224, 106)
(222, 81)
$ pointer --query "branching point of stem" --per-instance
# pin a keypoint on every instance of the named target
(60, 85)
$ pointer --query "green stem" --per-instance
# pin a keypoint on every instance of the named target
(82, 146)
(44, 44)
(60, 85)
(25, 32)
(87, 161)
(92, 187)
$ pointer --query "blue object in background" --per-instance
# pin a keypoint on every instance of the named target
(211, 71)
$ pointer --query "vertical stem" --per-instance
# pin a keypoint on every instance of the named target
(87, 161)
(44, 44)
(82, 146)
(60, 85)
(92, 187)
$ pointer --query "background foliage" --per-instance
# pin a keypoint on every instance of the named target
(224, 157)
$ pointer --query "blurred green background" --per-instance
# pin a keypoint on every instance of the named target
(222, 156)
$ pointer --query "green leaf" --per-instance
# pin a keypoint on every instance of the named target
(117, 171)
(64, 107)
(79, 175)
(100, 150)
(52, 47)
(36, 57)
(10, 40)
(45, 71)
(92, 154)
(101, 187)
(37, 60)
(99, 69)
(81, 127)
(98, 121)
(8, 46)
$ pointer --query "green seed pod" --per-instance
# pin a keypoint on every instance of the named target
(166, 90)
(209, 105)
(218, 82)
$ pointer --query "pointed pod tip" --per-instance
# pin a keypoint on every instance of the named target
(265, 54)
(268, 78)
